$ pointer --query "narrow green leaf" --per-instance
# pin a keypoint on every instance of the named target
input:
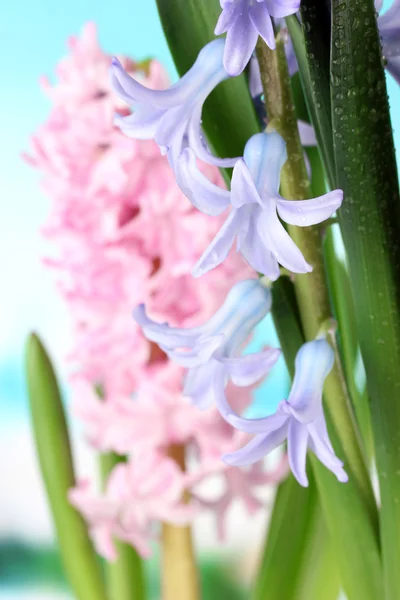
(125, 576)
(351, 523)
(345, 315)
(370, 223)
(312, 52)
(297, 548)
(53, 447)
(229, 118)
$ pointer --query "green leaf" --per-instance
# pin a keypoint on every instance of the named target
(229, 118)
(370, 224)
(298, 548)
(312, 52)
(352, 523)
(345, 315)
(53, 447)
(125, 576)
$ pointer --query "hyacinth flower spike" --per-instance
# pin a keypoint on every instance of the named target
(211, 351)
(389, 29)
(256, 204)
(299, 419)
(172, 117)
(245, 20)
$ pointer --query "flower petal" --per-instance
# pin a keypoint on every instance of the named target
(241, 40)
(142, 124)
(162, 333)
(243, 189)
(314, 362)
(228, 16)
(204, 195)
(265, 154)
(279, 242)
(255, 450)
(198, 355)
(262, 23)
(297, 450)
(219, 248)
(246, 370)
(282, 8)
(329, 460)
(307, 134)
(199, 144)
(204, 384)
(255, 252)
(304, 213)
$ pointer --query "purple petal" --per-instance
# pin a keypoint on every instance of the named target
(246, 370)
(265, 154)
(198, 355)
(255, 450)
(393, 66)
(254, 250)
(243, 190)
(142, 124)
(391, 16)
(255, 84)
(297, 450)
(313, 364)
(282, 8)
(307, 134)
(199, 144)
(328, 460)
(279, 242)
(304, 213)
(228, 16)
(241, 40)
(219, 248)
(204, 195)
(245, 305)
(162, 333)
(204, 384)
(265, 425)
(262, 23)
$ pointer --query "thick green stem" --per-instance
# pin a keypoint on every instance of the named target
(125, 576)
(311, 290)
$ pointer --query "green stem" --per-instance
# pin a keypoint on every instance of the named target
(350, 510)
(125, 576)
(311, 290)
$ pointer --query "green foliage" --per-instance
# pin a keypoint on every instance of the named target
(81, 564)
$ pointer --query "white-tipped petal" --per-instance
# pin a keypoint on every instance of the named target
(304, 213)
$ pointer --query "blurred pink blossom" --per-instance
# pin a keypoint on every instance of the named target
(138, 494)
(123, 233)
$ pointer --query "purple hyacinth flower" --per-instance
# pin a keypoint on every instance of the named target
(211, 352)
(172, 117)
(255, 205)
(299, 419)
(243, 21)
(389, 29)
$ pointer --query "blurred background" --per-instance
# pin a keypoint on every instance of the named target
(32, 41)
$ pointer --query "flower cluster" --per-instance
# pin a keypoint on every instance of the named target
(212, 352)
(125, 234)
